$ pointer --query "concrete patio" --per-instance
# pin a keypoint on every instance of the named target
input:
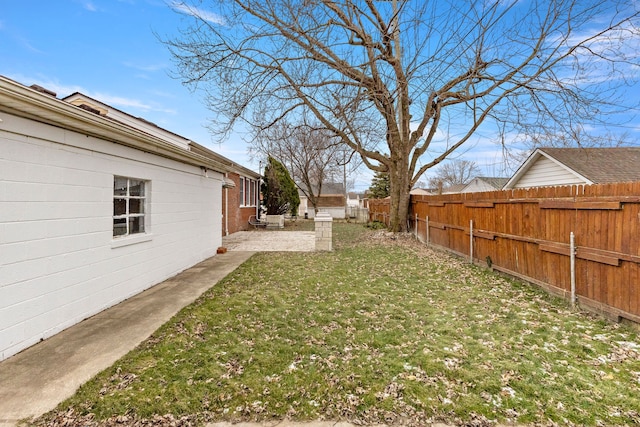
(270, 241)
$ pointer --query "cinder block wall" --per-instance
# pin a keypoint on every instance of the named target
(59, 262)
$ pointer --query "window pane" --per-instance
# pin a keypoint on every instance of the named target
(119, 186)
(241, 191)
(136, 187)
(136, 206)
(128, 206)
(136, 224)
(253, 193)
(119, 227)
(119, 207)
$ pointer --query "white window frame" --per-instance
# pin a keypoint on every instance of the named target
(241, 191)
(131, 236)
(248, 192)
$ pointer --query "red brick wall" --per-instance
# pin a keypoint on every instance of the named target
(235, 218)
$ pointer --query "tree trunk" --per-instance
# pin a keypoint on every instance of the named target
(399, 184)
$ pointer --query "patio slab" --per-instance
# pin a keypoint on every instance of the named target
(270, 241)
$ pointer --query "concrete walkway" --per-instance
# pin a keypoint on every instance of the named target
(37, 379)
(271, 241)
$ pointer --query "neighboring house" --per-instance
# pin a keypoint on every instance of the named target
(421, 192)
(354, 200)
(568, 166)
(456, 188)
(93, 210)
(356, 207)
(483, 183)
(332, 199)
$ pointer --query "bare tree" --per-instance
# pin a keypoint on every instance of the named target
(386, 77)
(312, 155)
(455, 172)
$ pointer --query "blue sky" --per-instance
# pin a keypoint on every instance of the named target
(107, 49)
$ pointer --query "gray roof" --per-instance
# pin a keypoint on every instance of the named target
(456, 188)
(495, 182)
(332, 188)
(600, 165)
(329, 188)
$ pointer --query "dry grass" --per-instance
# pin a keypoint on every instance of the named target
(382, 330)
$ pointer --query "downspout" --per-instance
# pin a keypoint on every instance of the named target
(256, 199)
(226, 207)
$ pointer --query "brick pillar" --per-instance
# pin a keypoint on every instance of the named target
(323, 223)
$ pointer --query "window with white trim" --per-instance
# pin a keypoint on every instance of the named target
(241, 192)
(129, 206)
(252, 196)
(248, 192)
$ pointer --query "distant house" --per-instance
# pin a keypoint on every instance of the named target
(421, 192)
(567, 166)
(332, 199)
(95, 206)
(354, 200)
(456, 188)
(483, 183)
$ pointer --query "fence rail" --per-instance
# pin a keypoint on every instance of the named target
(527, 233)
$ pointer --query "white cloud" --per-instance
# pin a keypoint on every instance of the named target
(618, 44)
(147, 68)
(88, 5)
(205, 15)
(120, 102)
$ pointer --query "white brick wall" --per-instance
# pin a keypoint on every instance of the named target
(58, 263)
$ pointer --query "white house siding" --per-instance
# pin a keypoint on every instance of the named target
(59, 263)
(477, 186)
(337, 212)
(546, 172)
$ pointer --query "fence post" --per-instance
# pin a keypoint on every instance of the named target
(416, 227)
(572, 255)
(471, 241)
(427, 229)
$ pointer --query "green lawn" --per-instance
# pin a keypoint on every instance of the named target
(381, 330)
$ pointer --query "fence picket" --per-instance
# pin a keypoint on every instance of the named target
(511, 226)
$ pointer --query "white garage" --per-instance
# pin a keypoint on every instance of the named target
(92, 211)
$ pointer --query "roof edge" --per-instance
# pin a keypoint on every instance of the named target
(539, 152)
(15, 98)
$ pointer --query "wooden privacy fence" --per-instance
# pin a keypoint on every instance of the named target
(527, 233)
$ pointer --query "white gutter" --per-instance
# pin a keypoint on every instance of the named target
(26, 102)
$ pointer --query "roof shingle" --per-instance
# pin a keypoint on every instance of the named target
(600, 165)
